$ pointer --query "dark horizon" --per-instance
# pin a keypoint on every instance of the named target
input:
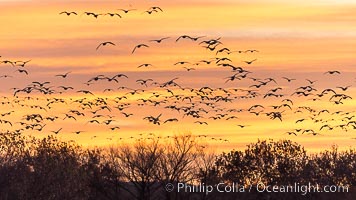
(175, 168)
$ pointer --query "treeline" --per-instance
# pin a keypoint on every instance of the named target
(48, 169)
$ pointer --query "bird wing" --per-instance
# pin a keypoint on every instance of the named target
(178, 38)
(164, 38)
(99, 46)
(143, 45)
(134, 50)
(157, 8)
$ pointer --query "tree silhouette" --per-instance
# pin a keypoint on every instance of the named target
(177, 163)
(48, 168)
(137, 164)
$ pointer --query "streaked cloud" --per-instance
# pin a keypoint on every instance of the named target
(299, 39)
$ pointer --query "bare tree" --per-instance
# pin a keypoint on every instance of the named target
(137, 164)
(206, 171)
(177, 163)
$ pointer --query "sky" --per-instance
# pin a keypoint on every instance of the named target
(301, 40)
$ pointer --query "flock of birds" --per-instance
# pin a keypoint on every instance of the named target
(171, 100)
(119, 14)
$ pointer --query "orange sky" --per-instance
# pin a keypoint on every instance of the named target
(295, 39)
